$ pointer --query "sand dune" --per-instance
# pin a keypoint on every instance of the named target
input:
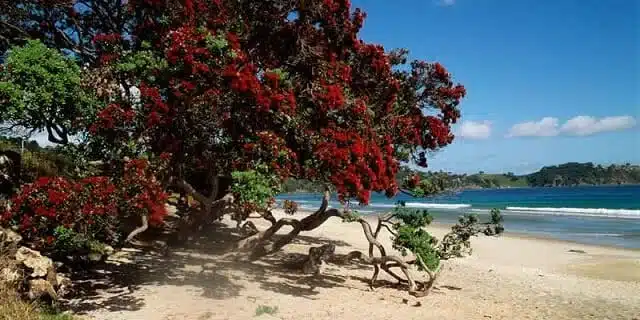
(511, 277)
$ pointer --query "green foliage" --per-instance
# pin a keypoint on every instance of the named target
(52, 312)
(216, 43)
(413, 218)
(41, 89)
(255, 187)
(351, 216)
(496, 216)
(67, 242)
(433, 182)
(262, 309)
(410, 235)
(299, 185)
(141, 63)
(40, 162)
(573, 173)
(458, 242)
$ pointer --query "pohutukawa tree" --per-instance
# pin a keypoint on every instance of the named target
(258, 92)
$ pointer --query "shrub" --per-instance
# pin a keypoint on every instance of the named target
(61, 216)
(262, 309)
(409, 235)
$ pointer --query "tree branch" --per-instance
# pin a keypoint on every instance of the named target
(14, 28)
(140, 229)
(62, 136)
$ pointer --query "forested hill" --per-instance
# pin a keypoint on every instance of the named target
(567, 174)
(573, 173)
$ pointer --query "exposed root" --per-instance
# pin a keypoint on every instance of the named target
(140, 229)
(377, 262)
(249, 228)
(263, 243)
(316, 258)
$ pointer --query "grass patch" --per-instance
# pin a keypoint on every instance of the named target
(14, 308)
(262, 309)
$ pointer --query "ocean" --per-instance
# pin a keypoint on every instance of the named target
(599, 215)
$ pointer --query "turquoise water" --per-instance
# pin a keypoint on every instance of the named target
(601, 215)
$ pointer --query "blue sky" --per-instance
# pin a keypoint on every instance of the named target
(574, 62)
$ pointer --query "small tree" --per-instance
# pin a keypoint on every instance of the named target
(40, 89)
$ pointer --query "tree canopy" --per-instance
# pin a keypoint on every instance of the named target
(40, 89)
(284, 86)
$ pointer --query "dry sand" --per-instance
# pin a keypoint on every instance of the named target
(510, 277)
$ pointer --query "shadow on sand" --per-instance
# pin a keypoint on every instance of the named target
(200, 263)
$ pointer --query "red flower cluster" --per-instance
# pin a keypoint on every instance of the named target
(358, 164)
(440, 133)
(48, 203)
(142, 192)
(307, 97)
(186, 46)
(331, 96)
(157, 111)
(271, 149)
(413, 181)
(107, 38)
(111, 117)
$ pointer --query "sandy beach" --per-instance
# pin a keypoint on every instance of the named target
(509, 277)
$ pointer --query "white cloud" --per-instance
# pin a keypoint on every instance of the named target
(475, 130)
(586, 125)
(546, 127)
(447, 3)
(576, 126)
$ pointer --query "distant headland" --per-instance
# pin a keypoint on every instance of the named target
(566, 174)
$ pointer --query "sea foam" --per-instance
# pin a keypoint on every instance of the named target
(422, 205)
(597, 212)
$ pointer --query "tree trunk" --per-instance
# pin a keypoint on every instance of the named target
(261, 243)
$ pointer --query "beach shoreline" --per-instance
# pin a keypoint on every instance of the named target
(542, 237)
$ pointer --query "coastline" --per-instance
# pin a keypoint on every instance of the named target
(478, 188)
(591, 215)
(542, 237)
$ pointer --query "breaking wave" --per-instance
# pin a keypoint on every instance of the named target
(595, 212)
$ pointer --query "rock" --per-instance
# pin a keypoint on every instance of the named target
(95, 256)
(10, 275)
(108, 250)
(9, 236)
(63, 285)
(39, 288)
(171, 210)
(316, 258)
(33, 260)
(121, 257)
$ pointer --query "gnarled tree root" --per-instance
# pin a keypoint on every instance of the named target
(263, 243)
(140, 229)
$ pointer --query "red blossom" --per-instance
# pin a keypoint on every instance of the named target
(306, 97)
